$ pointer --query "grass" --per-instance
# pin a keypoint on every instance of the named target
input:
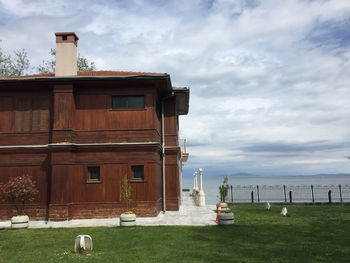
(307, 234)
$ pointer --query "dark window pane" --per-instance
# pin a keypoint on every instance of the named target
(138, 172)
(94, 173)
(128, 102)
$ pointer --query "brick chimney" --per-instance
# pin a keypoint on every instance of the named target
(66, 54)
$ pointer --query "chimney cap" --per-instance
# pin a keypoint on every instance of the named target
(67, 37)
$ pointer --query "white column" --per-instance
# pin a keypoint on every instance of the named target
(201, 192)
(195, 181)
(194, 184)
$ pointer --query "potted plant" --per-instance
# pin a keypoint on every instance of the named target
(223, 191)
(19, 190)
(127, 218)
(226, 217)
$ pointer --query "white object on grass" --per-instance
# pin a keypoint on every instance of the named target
(268, 206)
(82, 242)
(284, 211)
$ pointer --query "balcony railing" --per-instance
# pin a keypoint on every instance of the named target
(184, 153)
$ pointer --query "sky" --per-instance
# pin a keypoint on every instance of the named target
(269, 80)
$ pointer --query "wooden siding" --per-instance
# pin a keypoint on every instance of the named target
(25, 118)
(94, 112)
(56, 115)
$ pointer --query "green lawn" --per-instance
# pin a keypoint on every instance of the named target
(307, 234)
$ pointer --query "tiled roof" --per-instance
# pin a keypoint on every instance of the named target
(117, 73)
(30, 76)
(92, 73)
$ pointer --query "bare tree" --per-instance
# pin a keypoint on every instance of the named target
(49, 65)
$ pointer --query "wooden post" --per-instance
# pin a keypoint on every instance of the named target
(330, 196)
(252, 196)
(285, 196)
(312, 193)
(340, 194)
(231, 195)
(290, 197)
(257, 189)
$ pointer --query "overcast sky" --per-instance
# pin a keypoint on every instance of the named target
(269, 79)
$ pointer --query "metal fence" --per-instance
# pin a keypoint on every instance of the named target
(290, 193)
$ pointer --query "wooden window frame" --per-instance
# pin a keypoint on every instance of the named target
(89, 179)
(133, 179)
(118, 96)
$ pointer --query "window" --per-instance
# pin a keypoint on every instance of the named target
(128, 102)
(137, 172)
(94, 173)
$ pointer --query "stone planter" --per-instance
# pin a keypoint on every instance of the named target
(127, 220)
(226, 218)
(18, 222)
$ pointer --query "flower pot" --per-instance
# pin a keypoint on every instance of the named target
(224, 206)
(18, 222)
(127, 220)
(226, 218)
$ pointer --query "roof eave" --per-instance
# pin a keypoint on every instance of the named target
(73, 78)
(182, 94)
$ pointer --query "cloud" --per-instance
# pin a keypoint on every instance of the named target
(269, 79)
(282, 147)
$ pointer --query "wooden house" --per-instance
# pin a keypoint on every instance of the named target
(78, 134)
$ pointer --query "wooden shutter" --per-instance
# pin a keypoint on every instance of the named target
(6, 116)
(19, 105)
(44, 114)
(27, 115)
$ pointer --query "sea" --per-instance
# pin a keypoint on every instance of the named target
(316, 188)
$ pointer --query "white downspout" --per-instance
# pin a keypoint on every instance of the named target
(163, 154)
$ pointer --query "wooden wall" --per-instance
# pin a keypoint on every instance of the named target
(83, 114)
(25, 117)
(32, 164)
(172, 155)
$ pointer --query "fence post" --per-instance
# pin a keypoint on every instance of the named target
(290, 197)
(285, 196)
(330, 196)
(231, 194)
(340, 194)
(257, 189)
(312, 193)
(252, 196)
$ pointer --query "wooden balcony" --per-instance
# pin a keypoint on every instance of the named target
(184, 153)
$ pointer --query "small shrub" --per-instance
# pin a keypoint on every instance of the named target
(126, 191)
(19, 190)
(223, 190)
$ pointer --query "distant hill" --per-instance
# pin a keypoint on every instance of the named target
(295, 175)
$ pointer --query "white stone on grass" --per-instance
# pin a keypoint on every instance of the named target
(82, 243)
(284, 211)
